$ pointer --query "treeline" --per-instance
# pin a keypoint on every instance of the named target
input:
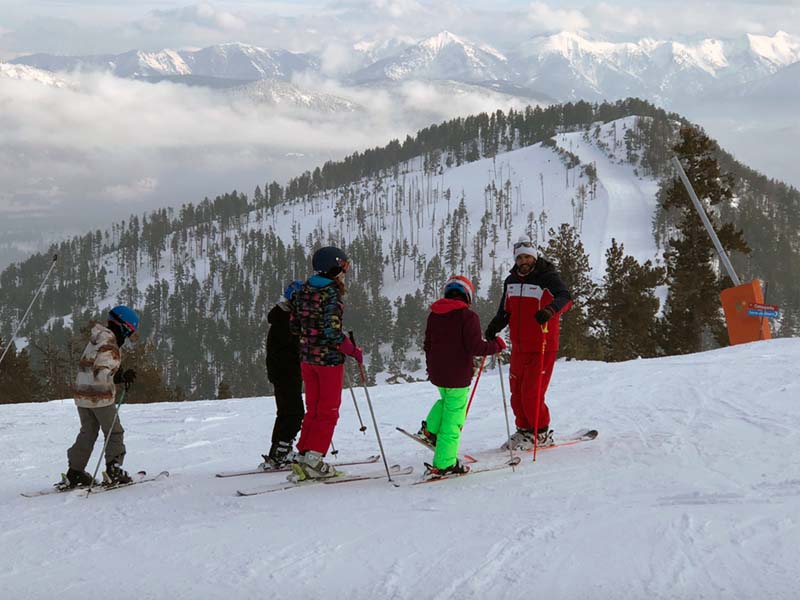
(462, 140)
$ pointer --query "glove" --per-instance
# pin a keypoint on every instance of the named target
(490, 332)
(501, 343)
(129, 376)
(349, 348)
(544, 315)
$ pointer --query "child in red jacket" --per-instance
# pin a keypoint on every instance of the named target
(452, 338)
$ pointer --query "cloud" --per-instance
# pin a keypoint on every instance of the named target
(202, 15)
(544, 18)
(94, 152)
(125, 192)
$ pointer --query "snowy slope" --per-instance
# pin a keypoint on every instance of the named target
(273, 92)
(25, 73)
(692, 490)
(622, 208)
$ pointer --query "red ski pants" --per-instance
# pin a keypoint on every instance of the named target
(525, 382)
(323, 398)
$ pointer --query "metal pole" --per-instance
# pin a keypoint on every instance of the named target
(374, 422)
(25, 316)
(372, 414)
(723, 256)
(475, 386)
(505, 408)
(539, 393)
(363, 428)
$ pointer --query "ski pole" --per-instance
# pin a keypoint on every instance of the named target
(539, 393)
(334, 451)
(475, 385)
(108, 436)
(363, 428)
(505, 410)
(372, 413)
(25, 316)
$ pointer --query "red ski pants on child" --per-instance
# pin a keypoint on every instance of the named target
(525, 384)
(323, 398)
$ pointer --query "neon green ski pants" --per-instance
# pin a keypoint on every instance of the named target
(445, 420)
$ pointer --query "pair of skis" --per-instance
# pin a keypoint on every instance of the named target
(365, 461)
(584, 435)
(63, 486)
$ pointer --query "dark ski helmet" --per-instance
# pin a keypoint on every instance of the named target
(126, 318)
(330, 261)
(292, 289)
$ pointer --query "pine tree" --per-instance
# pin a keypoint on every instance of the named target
(693, 307)
(18, 382)
(627, 306)
(566, 250)
(150, 383)
(223, 391)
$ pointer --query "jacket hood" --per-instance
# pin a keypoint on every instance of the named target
(446, 305)
(98, 330)
(277, 311)
(318, 281)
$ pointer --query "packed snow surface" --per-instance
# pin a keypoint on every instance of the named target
(692, 490)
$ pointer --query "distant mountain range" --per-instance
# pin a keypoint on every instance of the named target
(563, 66)
(226, 61)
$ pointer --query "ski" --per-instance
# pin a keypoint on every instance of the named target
(341, 478)
(580, 436)
(111, 487)
(394, 470)
(512, 462)
(417, 438)
(364, 461)
(465, 459)
(61, 486)
(586, 435)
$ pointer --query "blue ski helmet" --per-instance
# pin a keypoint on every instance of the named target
(292, 289)
(125, 316)
(330, 261)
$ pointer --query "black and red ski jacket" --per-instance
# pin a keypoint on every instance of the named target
(522, 298)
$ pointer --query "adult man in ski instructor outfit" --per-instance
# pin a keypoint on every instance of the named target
(534, 297)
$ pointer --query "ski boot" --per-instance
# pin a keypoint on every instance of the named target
(521, 439)
(311, 466)
(426, 436)
(75, 478)
(280, 456)
(432, 472)
(545, 438)
(115, 475)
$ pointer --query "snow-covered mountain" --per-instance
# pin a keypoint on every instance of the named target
(564, 66)
(691, 490)
(783, 87)
(280, 93)
(442, 56)
(228, 61)
(573, 66)
(377, 49)
(26, 73)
